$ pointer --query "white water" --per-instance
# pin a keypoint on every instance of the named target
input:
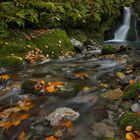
(121, 32)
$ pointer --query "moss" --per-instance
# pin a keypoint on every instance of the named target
(129, 92)
(130, 118)
(52, 42)
(11, 61)
(132, 91)
(28, 87)
(108, 50)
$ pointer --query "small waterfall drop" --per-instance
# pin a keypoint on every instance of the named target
(128, 31)
(121, 32)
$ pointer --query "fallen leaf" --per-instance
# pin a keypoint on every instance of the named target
(67, 123)
(130, 136)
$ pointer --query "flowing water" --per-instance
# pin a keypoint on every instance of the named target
(91, 106)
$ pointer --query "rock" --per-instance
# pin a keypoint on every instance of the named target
(77, 45)
(60, 114)
(127, 78)
(89, 42)
(113, 94)
(135, 107)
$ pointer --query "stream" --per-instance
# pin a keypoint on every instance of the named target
(96, 120)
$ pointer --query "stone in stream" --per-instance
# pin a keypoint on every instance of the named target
(113, 94)
(60, 114)
(135, 107)
(77, 45)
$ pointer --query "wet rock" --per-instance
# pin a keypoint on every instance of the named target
(85, 99)
(135, 107)
(77, 45)
(113, 94)
(102, 130)
(99, 113)
(60, 114)
(127, 78)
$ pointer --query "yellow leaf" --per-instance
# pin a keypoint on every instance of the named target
(130, 136)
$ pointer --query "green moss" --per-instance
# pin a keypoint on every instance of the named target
(130, 118)
(132, 91)
(108, 50)
(129, 92)
(10, 61)
(52, 42)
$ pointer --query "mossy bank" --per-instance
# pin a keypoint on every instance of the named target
(52, 42)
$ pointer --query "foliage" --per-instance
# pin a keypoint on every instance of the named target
(59, 13)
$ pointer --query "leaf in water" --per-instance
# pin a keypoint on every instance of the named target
(11, 116)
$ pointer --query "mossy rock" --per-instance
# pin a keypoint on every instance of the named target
(53, 42)
(11, 61)
(132, 91)
(108, 50)
(130, 118)
(27, 87)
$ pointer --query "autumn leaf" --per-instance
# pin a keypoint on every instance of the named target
(51, 89)
(11, 116)
(67, 123)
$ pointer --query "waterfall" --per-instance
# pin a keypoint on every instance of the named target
(121, 32)
(128, 30)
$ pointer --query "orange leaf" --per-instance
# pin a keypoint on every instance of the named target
(52, 138)
(51, 89)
